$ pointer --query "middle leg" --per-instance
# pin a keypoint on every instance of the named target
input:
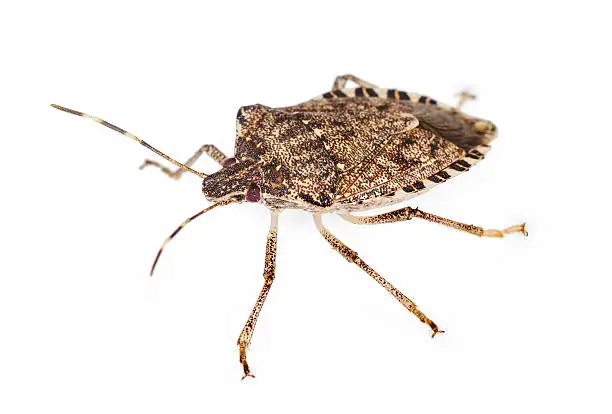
(352, 256)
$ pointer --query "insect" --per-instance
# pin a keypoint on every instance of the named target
(346, 151)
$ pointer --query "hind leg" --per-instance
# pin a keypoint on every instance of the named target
(464, 96)
(340, 82)
(407, 213)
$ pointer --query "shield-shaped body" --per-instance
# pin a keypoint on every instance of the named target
(350, 149)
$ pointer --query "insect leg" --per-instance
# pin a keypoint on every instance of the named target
(269, 269)
(352, 256)
(134, 137)
(212, 151)
(340, 82)
(408, 213)
(464, 96)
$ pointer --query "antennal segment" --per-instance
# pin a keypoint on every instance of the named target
(134, 137)
(179, 228)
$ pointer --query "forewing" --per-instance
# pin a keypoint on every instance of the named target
(353, 133)
(447, 121)
(402, 160)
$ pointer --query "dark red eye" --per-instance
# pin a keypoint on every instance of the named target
(253, 194)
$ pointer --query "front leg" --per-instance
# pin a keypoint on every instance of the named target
(269, 270)
(408, 213)
(210, 150)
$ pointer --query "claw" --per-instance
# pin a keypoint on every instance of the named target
(175, 175)
(435, 332)
(464, 96)
(517, 228)
(245, 365)
(434, 328)
(247, 375)
(145, 163)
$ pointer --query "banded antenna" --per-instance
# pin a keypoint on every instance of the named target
(134, 137)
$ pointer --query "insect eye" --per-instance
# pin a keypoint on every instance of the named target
(253, 194)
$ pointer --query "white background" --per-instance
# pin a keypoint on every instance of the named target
(83, 329)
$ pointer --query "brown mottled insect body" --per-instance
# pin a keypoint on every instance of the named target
(347, 150)
(351, 149)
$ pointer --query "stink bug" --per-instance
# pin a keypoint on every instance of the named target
(347, 150)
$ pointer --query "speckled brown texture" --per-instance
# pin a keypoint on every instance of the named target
(346, 150)
(269, 273)
(349, 150)
(352, 256)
